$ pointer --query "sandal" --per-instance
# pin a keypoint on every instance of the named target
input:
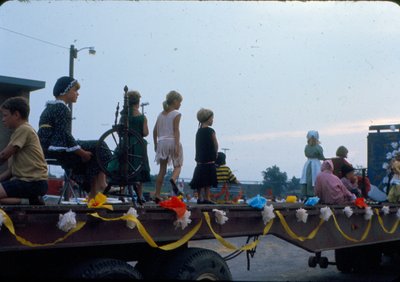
(157, 199)
(175, 188)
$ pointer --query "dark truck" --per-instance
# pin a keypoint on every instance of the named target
(102, 246)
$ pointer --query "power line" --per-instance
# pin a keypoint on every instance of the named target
(34, 38)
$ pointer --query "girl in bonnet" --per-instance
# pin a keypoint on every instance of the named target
(58, 142)
(314, 153)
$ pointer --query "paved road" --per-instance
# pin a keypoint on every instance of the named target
(276, 260)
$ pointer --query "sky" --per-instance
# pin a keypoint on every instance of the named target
(270, 71)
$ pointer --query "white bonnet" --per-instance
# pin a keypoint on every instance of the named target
(312, 133)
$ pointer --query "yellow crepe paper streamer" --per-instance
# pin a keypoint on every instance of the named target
(146, 236)
(230, 246)
(10, 226)
(294, 235)
(394, 227)
(363, 237)
(99, 202)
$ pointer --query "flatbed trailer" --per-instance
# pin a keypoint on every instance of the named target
(101, 244)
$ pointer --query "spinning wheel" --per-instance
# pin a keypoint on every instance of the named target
(126, 161)
(126, 147)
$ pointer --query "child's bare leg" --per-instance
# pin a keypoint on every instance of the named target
(4, 199)
(160, 177)
(139, 187)
(199, 192)
(208, 193)
(175, 173)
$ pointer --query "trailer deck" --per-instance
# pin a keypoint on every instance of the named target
(37, 224)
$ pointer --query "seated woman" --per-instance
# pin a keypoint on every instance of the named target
(340, 161)
(329, 188)
(58, 143)
(350, 180)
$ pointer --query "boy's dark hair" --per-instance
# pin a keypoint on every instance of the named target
(17, 104)
(221, 159)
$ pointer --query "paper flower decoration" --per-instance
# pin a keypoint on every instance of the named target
(368, 213)
(388, 156)
(348, 211)
(385, 210)
(326, 213)
(360, 202)
(398, 214)
(129, 223)
(395, 145)
(385, 165)
(184, 221)
(67, 221)
(175, 204)
(257, 202)
(393, 128)
(301, 215)
(220, 216)
(312, 201)
(291, 199)
(99, 202)
(268, 213)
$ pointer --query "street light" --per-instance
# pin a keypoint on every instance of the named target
(73, 54)
(143, 105)
(225, 149)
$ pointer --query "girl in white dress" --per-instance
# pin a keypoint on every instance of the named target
(166, 136)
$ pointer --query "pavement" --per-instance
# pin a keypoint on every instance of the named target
(277, 260)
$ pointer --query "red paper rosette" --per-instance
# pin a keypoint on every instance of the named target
(175, 204)
(360, 202)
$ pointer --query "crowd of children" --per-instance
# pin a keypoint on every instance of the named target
(334, 182)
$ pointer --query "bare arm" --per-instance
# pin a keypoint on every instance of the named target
(155, 133)
(177, 133)
(214, 138)
(145, 128)
(5, 175)
(8, 152)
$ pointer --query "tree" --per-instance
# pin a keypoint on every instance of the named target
(275, 179)
(293, 184)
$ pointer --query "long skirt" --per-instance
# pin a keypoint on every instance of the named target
(83, 172)
(310, 171)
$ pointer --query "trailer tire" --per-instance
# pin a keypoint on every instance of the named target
(105, 269)
(196, 264)
(312, 261)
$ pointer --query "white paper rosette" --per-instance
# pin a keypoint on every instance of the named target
(385, 165)
(326, 213)
(220, 216)
(398, 214)
(67, 221)
(368, 213)
(301, 215)
(395, 145)
(385, 210)
(389, 156)
(348, 211)
(184, 221)
(129, 223)
(267, 213)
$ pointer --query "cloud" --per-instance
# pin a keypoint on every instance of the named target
(337, 129)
